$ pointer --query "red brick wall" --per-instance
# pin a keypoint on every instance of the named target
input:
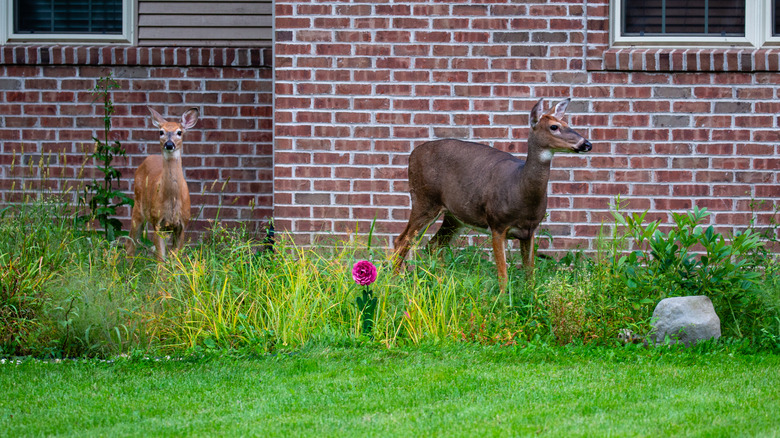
(358, 85)
(47, 111)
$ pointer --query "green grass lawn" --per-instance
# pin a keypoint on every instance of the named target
(429, 391)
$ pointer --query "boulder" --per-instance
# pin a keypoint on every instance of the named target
(685, 319)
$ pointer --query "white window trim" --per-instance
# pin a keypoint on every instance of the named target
(7, 34)
(766, 12)
(758, 31)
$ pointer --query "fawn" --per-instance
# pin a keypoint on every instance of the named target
(161, 194)
(485, 188)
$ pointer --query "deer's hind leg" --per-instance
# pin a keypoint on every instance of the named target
(450, 226)
(420, 217)
(136, 225)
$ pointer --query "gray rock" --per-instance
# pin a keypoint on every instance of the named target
(685, 319)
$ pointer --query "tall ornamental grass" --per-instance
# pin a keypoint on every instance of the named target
(230, 296)
(65, 291)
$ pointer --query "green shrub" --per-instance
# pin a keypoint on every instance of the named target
(690, 259)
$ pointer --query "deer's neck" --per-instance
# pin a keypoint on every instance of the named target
(172, 176)
(536, 171)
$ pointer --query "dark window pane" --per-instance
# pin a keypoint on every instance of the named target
(684, 17)
(64, 16)
(775, 19)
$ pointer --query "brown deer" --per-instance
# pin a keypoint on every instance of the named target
(485, 188)
(161, 194)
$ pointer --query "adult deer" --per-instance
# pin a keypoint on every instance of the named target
(161, 194)
(485, 188)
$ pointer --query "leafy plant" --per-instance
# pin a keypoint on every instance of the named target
(690, 259)
(104, 197)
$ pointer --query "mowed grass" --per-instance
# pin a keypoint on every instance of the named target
(456, 390)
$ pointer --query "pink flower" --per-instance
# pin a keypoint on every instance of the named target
(364, 272)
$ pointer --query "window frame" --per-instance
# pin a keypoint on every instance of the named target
(7, 34)
(758, 31)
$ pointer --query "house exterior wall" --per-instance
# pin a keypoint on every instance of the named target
(47, 120)
(181, 23)
(359, 84)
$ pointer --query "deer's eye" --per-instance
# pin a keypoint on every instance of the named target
(162, 133)
(553, 127)
(178, 133)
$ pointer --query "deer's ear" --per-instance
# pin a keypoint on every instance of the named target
(157, 119)
(560, 108)
(189, 118)
(537, 112)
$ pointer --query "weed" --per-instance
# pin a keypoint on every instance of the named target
(566, 306)
(104, 198)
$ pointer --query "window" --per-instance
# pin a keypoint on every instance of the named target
(671, 23)
(775, 19)
(76, 21)
(683, 17)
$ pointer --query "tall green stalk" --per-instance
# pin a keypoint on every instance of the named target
(104, 198)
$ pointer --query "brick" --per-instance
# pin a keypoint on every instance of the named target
(412, 50)
(529, 51)
(451, 50)
(410, 23)
(10, 84)
(432, 37)
(753, 121)
(633, 120)
(490, 51)
(471, 37)
(549, 37)
(511, 37)
(672, 92)
(470, 10)
(409, 131)
(451, 104)
(368, 23)
(432, 119)
(736, 107)
(671, 121)
(393, 36)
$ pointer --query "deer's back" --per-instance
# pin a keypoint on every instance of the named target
(464, 177)
(455, 162)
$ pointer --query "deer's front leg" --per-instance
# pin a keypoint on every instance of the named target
(159, 242)
(499, 253)
(177, 238)
(527, 254)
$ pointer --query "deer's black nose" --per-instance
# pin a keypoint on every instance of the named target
(169, 146)
(585, 147)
